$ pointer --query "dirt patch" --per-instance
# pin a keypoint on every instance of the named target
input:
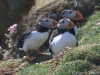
(12, 69)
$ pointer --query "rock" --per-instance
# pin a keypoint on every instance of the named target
(1, 56)
(11, 12)
(7, 10)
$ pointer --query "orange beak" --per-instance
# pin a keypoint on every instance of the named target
(51, 23)
(73, 25)
(80, 15)
(74, 16)
(67, 25)
(55, 22)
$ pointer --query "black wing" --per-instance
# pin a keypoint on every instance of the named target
(53, 34)
(23, 37)
(72, 31)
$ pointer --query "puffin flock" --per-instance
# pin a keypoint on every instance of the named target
(57, 35)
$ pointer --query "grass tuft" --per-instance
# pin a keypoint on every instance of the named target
(70, 68)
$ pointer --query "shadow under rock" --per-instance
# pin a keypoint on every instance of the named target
(42, 58)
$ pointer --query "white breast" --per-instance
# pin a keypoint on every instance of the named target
(61, 41)
(35, 40)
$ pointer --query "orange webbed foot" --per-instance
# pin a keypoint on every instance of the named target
(40, 52)
(31, 59)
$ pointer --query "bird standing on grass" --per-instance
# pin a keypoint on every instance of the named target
(33, 40)
(62, 37)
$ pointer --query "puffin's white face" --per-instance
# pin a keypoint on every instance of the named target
(71, 14)
(49, 23)
(65, 24)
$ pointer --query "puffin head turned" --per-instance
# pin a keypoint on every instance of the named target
(48, 23)
(65, 24)
(71, 14)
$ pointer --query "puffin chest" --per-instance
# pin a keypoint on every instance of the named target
(36, 39)
(63, 40)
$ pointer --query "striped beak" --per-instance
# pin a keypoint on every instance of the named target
(73, 25)
(54, 24)
(74, 16)
(79, 16)
(68, 26)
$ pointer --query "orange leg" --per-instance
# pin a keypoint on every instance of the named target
(40, 52)
(30, 58)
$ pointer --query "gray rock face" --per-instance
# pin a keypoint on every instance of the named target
(15, 4)
(7, 12)
(10, 13)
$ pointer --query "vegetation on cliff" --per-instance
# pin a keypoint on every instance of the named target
(84, 59)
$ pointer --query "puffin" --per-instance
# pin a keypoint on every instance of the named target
(62, 37)
(71, 14)
(34, 39)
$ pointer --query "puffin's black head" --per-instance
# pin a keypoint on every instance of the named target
(61, 17)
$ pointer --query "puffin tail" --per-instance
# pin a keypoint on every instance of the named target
(17, 45)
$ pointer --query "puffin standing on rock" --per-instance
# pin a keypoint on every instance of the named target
(62, 37)
(33, 40)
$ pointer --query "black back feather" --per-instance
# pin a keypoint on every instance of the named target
(21, 39)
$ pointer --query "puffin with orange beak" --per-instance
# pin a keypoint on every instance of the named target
(62, 37)
(71, 14)
(34, 39)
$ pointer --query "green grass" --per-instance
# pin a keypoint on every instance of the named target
(70, 68)
(36, 69)
(89, 34)
(82, 54)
